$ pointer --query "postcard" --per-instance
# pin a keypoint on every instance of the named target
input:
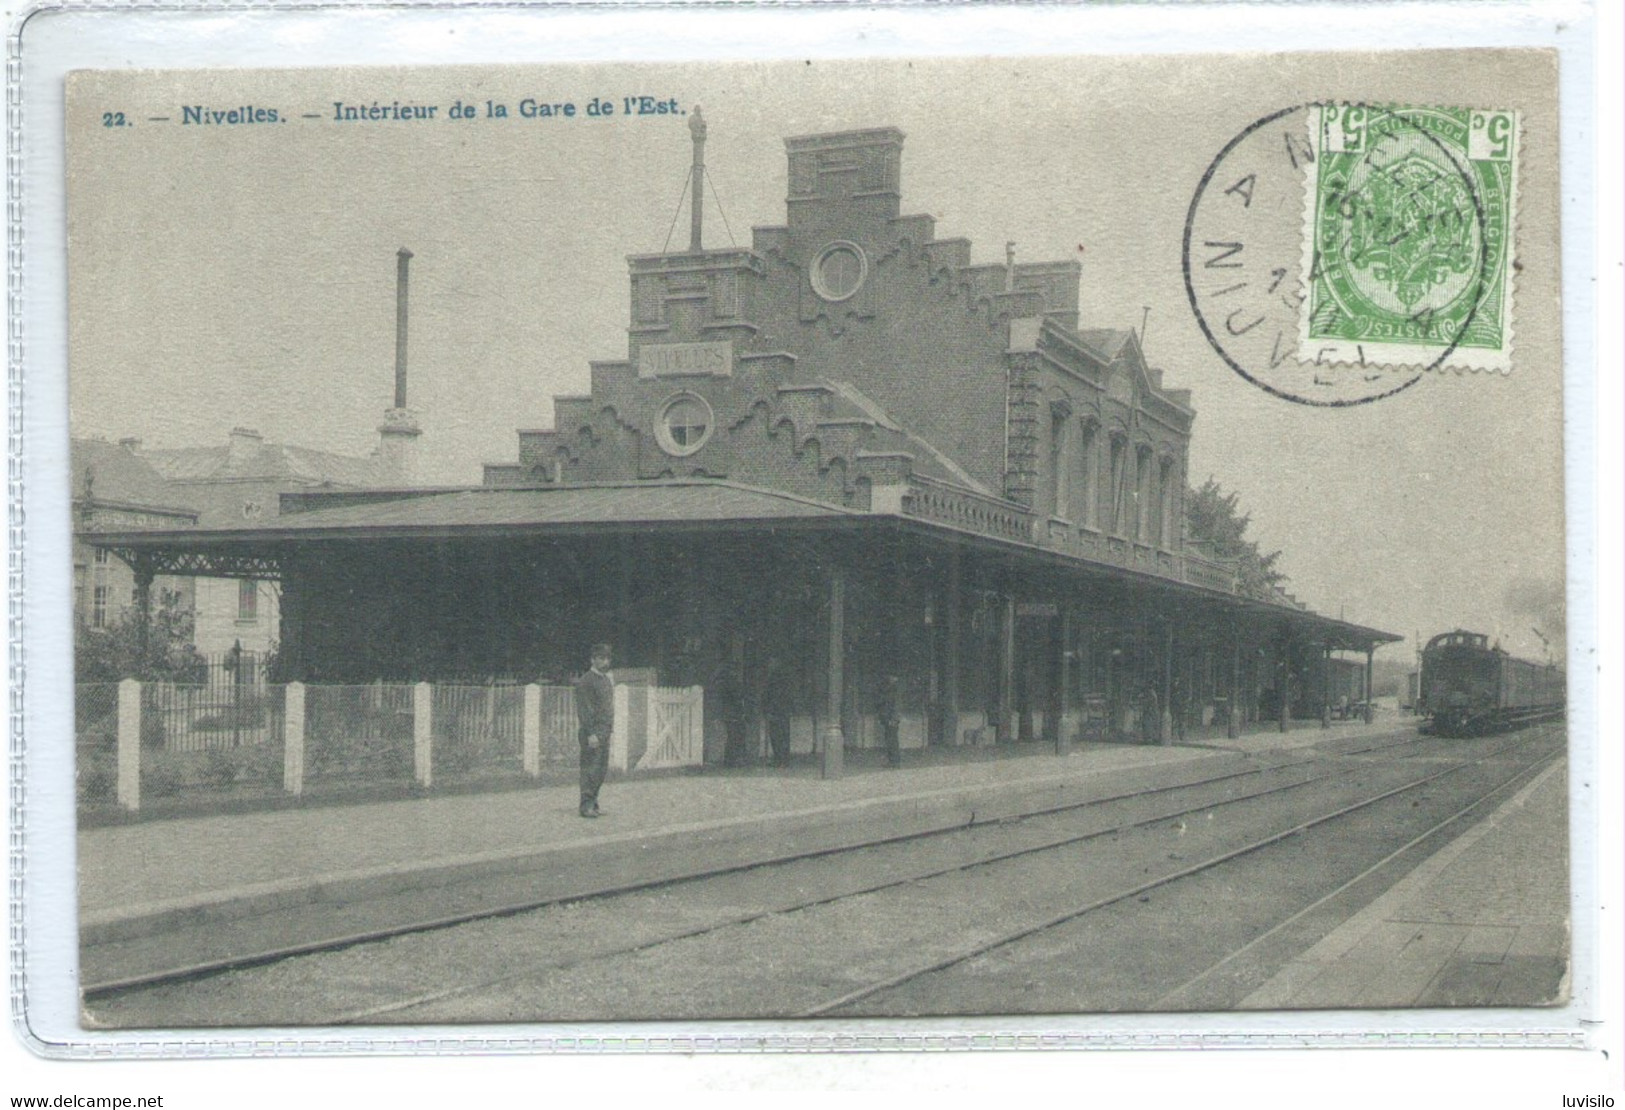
(1012, 538)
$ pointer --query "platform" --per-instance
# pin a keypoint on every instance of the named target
(1482, 922)
(138, 877)
(147, 877)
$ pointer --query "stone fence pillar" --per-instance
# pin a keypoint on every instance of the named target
(531, 730)
(129, 744)
(293, 739)
(620, 755)
(423, 734)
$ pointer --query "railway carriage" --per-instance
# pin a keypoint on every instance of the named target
(1469, 687)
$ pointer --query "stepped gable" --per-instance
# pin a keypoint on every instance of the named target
(845, 350)
(818, 439)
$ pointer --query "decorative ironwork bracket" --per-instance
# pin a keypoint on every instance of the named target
(203, 564)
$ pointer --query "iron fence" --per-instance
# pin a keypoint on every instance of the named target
(358, 732)
(246, 668)
(217, 737)
(177, 717)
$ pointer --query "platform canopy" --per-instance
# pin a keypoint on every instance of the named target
(649, 509)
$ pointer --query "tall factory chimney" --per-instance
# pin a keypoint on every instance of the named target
(696, 207)
(398, 434)
(403, 264)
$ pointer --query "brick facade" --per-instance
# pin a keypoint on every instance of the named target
(843, 474)
(850, 352)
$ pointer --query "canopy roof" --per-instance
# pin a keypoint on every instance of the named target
(254, 550)
(460, 512)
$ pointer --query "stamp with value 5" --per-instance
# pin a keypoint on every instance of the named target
(1408, 237)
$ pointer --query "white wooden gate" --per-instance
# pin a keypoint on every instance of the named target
(675, 727)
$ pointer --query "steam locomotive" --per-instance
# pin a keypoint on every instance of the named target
(1469, 687)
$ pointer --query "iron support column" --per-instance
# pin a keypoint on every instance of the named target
(950, 652)
(1325, 687)
(1232, 727)
(1007, 670)
(143, 610)
(1165, 727)
(834, 738)
(291, 606)
(1369, 709)
(1063, 680)
(899, 654)
(623, 596)
(1286, 681)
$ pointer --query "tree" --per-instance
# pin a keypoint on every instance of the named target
(113, 653)
(1214, 521)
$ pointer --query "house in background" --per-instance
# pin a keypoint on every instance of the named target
(115, 491)
(241, 482)
(237, 483)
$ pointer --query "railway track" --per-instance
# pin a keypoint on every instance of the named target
(1502, 789)
(1055, 830)
(185, 964)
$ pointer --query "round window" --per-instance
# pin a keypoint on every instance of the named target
(839, 270)
(684, 425)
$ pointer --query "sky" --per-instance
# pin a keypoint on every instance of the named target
(225, 275)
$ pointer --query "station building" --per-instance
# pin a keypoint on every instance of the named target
(841, 478)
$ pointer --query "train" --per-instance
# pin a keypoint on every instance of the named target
(1468, 688)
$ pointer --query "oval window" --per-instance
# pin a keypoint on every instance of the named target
(684, 425)
(839, 271)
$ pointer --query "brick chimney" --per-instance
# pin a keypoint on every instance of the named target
(398, 446)
(398, 434)
(242, 446)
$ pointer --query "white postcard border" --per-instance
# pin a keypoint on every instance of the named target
(56, 41)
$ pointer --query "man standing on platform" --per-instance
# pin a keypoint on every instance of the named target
(595, 710)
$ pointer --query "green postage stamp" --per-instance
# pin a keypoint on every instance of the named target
(1408, 237)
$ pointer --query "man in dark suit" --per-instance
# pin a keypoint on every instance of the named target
(595, 710)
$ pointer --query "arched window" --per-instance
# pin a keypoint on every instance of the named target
(1088, 467)
(1117, 513)
(1060, 459)
(1142, 494)
(1164, 501)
